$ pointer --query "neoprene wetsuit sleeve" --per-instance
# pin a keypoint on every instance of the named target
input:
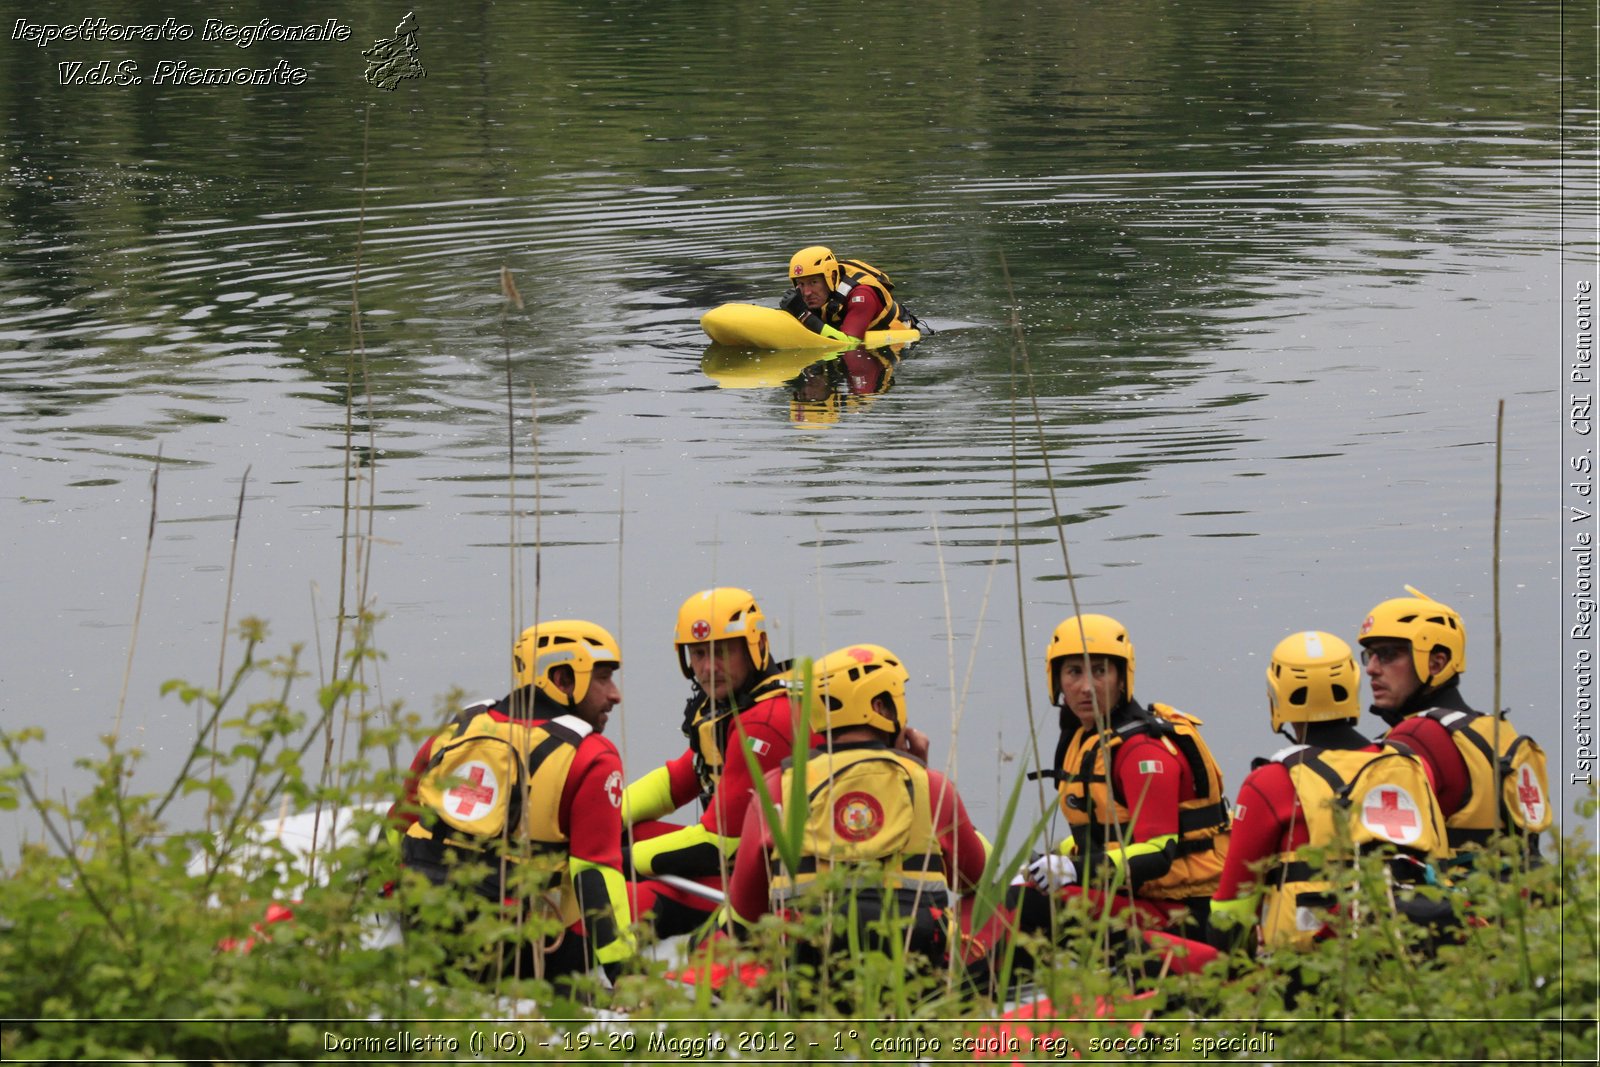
(1141, 862)
(1230, 922)
(649, 797)
(603, 902)
(692, 852)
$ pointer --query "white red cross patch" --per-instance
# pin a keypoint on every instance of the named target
(474, 796)
(1389, 812)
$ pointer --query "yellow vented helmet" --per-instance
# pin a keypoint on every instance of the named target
(722, 614)
(846, 682)
(817, 259)
(1102, 636)
(1427, 624)
(1313, 678)
(564, 642)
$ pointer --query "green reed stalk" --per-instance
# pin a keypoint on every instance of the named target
(788, 827)
(357, 345)
(138, 604)
(227, 609)
(361, 558)
(1499, 446)
(1019, 350)
(513, 300)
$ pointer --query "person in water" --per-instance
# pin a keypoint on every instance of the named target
(842, 299)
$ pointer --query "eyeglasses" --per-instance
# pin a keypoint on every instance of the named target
(1384, 654)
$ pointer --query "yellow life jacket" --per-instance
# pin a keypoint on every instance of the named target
(490, 786)
(1352, 801)
(853, 272)
(1513, 776)
(1099, 819)
(706, 724)
(868, 804)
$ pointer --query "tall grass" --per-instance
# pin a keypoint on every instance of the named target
(116, 934)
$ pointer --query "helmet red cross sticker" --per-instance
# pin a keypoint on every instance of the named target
(1531, 796)
(700, 630)
(475, 792)
(1394, 816)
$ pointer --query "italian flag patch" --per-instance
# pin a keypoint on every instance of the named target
(1149, 766)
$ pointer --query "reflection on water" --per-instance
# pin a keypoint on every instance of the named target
(1272, 271)
(820, 390)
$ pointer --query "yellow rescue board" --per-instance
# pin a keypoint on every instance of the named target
(744, 369)
(754, 326)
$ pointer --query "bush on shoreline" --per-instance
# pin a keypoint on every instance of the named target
(122, 937)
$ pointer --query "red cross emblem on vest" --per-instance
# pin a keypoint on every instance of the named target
(473, 793)
(700, 630)
(1528, 792)
(1398, 824)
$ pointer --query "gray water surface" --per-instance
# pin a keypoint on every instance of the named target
(1273, 267)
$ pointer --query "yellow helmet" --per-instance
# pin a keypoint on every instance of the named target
(1102, 636)
(719, 615)
(1427, 624)
(815, 260)
(1313, 678)
(847, 681)
(565, 642)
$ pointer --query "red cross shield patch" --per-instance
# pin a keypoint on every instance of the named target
(1530, 796)
(474, 797)
(700, 630)
(1390, 813)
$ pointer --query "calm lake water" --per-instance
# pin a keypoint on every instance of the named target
(1274, 266)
